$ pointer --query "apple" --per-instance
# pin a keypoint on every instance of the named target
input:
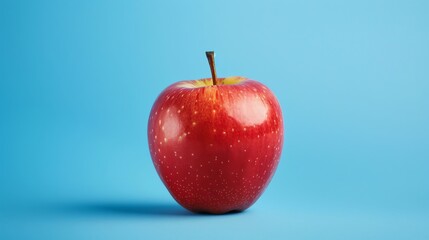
(216, 142)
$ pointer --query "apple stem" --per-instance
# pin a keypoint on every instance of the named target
(210, 57)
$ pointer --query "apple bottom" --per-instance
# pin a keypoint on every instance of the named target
(213, 201)
(208, 178)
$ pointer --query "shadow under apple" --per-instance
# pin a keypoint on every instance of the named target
(124, 209)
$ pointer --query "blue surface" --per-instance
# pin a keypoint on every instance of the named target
(78, 79)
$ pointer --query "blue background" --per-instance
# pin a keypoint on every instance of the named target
(78, 79)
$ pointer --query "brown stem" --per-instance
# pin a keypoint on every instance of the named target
(210, 57)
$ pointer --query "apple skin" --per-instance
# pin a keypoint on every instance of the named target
(216, 147)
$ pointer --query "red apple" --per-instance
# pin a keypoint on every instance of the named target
(216, 142)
